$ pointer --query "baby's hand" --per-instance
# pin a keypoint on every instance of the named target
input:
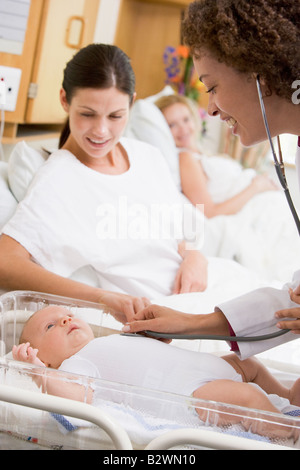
(25, 353)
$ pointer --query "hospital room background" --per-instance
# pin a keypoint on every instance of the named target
(34, 48)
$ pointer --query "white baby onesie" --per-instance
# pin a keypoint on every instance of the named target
(148, 363)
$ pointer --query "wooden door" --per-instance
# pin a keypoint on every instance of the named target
(144, 29)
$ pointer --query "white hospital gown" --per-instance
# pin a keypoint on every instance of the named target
(73, 217)
(125, 228)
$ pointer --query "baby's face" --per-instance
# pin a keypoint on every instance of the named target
(57, 334)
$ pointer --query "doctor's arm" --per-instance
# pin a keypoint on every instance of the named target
(248, 315)
(19, 272)
(166, 320)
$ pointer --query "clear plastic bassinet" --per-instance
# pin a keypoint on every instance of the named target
(121, 416)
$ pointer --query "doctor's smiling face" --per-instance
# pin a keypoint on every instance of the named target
(233, 97)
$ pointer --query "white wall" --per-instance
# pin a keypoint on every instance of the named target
(107, 21)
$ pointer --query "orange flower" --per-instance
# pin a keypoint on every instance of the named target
(183, 51)
(175, 79)
(180, 72)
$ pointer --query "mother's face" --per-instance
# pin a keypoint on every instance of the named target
(233, 96)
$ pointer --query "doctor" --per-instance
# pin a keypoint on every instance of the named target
(241, 48)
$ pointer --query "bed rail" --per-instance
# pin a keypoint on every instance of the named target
(67, 407)
(209, 439)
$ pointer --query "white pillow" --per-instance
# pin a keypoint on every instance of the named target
(23, 163)
(166, 91)
(8, 203)
(147, 123)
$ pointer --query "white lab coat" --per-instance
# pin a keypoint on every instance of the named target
(254, 313)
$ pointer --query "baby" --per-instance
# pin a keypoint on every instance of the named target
(53, 337)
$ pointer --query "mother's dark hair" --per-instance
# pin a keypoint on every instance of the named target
(97, 66)
(257, 36)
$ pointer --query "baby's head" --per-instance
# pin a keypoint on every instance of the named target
(56, 333)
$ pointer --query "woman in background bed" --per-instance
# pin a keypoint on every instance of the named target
(232, 44)
(197, 171)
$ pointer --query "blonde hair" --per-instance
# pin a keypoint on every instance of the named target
(165, 101)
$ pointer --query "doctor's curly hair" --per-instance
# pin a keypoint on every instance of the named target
(257, 36)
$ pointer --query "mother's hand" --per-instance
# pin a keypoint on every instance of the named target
(192, 273)
(124, 306)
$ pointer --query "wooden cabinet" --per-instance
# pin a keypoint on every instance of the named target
(66, 26)
(145, 28)
(56, 30)
(25, 63)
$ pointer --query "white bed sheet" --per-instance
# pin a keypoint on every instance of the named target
(261, 234)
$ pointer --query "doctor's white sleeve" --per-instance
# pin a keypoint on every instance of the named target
(253, 314)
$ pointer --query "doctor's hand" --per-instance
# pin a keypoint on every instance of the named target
(162, 320)
(192, 273)
(293, 313)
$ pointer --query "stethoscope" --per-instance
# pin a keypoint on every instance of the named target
(279, 166)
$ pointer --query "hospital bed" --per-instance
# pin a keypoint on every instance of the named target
(121, 416)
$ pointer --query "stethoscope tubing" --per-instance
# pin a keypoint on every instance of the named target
(232, 339)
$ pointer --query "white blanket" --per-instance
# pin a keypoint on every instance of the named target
(262, 236)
